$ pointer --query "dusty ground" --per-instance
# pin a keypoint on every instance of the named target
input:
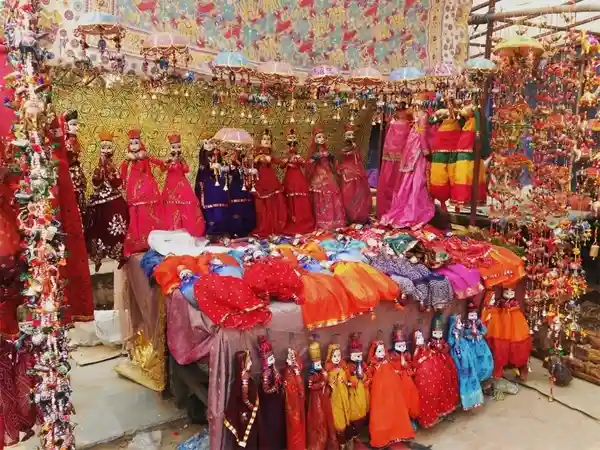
(527, 421)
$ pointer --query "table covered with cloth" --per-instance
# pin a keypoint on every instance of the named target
(193, 338)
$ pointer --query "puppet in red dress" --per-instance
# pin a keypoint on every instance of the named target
(402, 362)
(182, 208)
(78, 289)
(356, 193)
(73, 149)
(272, 434)
(146, 208)
(271, 211)
(295, 402)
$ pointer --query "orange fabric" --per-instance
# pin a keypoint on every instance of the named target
(519, 329)
(326, 302)
(359, 286)
(167, 275)
(387, 288)
(287, 253)
(508, 268)
(313, 250)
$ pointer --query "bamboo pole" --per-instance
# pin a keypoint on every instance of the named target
(476, 19)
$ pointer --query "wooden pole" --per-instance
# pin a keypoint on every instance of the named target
(477, 19)
(482, 121)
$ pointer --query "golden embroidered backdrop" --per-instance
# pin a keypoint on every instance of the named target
(123, 108)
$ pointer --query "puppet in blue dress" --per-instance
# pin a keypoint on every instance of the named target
(475, 332)
(471, 395)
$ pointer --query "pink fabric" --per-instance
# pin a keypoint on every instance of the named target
(465, 282)
(393, 148)
(182, 208)
(412, 206)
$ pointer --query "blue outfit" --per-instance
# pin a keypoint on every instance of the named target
(484, 360)
(242, 215)
(464, 358)
(148, 263)
(346, 250)
(187, 289)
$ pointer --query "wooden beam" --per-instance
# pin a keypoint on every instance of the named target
(569, 27)
(482, 5)
(502, 27)
(476, 19)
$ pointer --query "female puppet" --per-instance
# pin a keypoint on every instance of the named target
(107, 212)
(242, 213)
(442, 351)
(182, 209)
(295, 187)
(471, 395)
(359, 394)
(271, 211)
(326, 197)
(320, 434)
(389, 421)
(295, 398)
(70, 127)
(338, 382)
(272, 406)
(402, 362)
(356, 193)
(78, 289)
(146, 208)
(241, 413)
(475, 332)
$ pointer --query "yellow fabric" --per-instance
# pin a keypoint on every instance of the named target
(359, 400)
(439, 174)
(387, 289)
(449, 125)
(469, 124)
(340, 400)
(358, 285)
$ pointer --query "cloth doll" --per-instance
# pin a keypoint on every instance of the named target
(295, 402)
(339, 382)
(402, 361)
(70, 126)
(272, 406)
(475, 332)
(358, 390)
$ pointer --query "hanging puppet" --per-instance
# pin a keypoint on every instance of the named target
(242, 213)
(295, 402)
(358, 390)
(475, 332)
(70, 126)
(356, 193)
(107, 212)
(338, 380)
(402, 361)
(182, 209)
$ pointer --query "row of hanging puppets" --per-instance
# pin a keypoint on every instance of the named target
(238, 192)
(390, 394)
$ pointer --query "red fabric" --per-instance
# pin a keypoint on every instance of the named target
(271, 211)
(78, 299)
(274, 277)
(320, 434)
(356, 193)
(461, 193)
(466, 142)
(7, 115)
(230, 303)
(446, 140)
(299, 209)
(295, 409)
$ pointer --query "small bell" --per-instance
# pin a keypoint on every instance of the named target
(594, 250)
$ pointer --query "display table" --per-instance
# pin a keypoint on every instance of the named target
(193, 338)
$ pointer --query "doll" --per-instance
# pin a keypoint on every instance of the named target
(320, 434)
(271, 211)
(295, 398)
(437, 394)
(471, 395)
(146, 208)
(337, 377)
(402, 361)
(389, 422)
(242, 407)
(107, 212)
(356, 193)
(182, 209)
(242, 214)
(442, 351)
(299, 209)
(359, 394)
(70, 127)
(475, 332)
(272, 406)
(78, 289)
(326, 197)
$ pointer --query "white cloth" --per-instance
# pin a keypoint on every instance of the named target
(178, 243)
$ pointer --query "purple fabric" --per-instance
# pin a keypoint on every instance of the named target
(373, 175)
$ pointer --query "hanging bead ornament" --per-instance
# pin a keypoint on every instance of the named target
(106, 28)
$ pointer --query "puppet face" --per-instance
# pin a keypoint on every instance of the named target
(336, 356)
(317, 365)
(292, 140)
(248, 363)
(134, 145)
(356, 356)
(349, 136)
(72, 126)
(472, 315)
(265, 141)
(508, 294)
(459, 323)
(320, 138)
(184, 273)
(400, 346)
(106, 148)
(291, 357)
(176, 150)
(209, 146)
(419, 340)
(271, 359)
(437, 334)
(380, 351)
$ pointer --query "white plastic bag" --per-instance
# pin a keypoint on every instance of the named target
(146, 440)
(108, 327)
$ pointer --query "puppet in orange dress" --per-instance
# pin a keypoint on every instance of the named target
(402, 362)
(339, 382)
(320, 434)
(389, 422)
(295, 399)
(272, 406)
(358, 390)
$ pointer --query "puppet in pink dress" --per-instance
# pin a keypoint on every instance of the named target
(146, 208)
(412, 206)
(356, 193)
(182, 208)
(393, 149)
(326, 197)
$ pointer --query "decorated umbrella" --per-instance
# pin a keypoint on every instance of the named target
(276, 71)
(365, 76)
(324, 75)
(234, 136)
(519, 46)
(101, 24)
(482, 65)
(405, 74)
(167, 47)
(231, 61)
(443, 70)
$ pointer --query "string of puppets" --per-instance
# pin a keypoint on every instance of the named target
(390, 394)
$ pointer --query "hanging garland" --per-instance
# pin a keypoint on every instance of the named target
(43, 249)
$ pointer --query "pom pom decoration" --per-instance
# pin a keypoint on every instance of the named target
(43, 249)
